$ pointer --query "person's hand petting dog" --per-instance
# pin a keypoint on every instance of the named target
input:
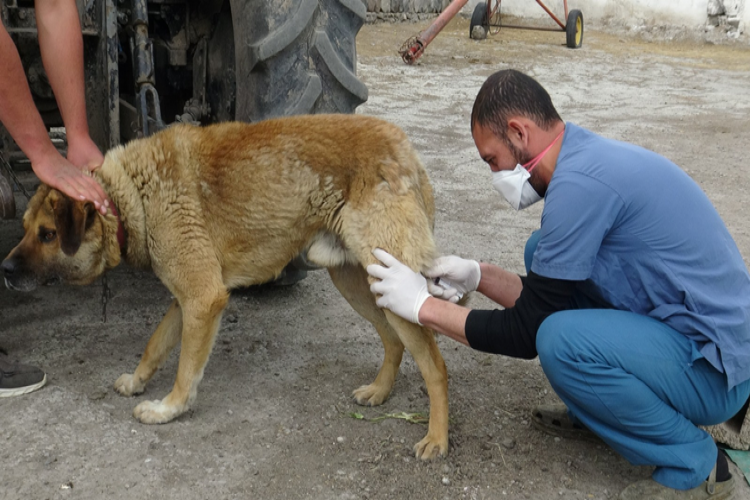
(401, 290)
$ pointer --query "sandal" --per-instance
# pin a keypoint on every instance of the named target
(649, 489)
(553, 419)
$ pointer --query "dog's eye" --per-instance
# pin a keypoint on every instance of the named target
(47, 236)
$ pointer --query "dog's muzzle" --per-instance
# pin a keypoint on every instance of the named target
(14, 277)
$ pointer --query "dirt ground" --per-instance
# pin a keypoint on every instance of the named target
(274, 417)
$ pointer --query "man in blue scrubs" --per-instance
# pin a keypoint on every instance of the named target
(636, 298)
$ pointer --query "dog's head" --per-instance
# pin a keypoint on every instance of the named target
(64, 240)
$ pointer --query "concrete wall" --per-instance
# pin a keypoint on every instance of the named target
(689, 13)
(678, 12)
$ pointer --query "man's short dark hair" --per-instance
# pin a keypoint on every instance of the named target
(509, 93)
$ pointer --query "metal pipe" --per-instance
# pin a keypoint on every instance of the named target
(531, 28)
(562, 25)
(414, 47)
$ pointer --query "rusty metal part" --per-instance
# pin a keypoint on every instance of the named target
(7, 200)
(487, 17)
(413, 48)
(493, 15)
(196, 108)
(12, 174)
(142, 48)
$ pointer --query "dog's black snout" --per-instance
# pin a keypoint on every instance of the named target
(9, 267)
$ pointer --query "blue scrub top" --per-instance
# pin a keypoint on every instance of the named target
(646, 239)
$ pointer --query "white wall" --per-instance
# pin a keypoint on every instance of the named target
(629, 12)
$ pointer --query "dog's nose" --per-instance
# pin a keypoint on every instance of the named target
(9, 267)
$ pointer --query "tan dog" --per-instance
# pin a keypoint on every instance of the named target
(229, 205)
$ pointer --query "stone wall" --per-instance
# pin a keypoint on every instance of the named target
(404, 10)
(407, 6)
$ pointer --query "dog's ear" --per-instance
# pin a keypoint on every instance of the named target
(72, 218)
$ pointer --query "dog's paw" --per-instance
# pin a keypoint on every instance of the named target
(156, 412)
(128, 385)
(371, 395)
(430, 448)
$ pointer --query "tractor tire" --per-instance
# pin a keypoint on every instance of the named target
(296, 57)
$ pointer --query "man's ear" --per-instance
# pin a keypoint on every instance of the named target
(518, 133)
(71, 221)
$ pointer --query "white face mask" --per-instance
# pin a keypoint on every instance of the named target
(515, 187)
(514, 184)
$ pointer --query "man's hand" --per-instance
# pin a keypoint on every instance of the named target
(61, 174)
(84, 154)
(401, 290)
(463, 276)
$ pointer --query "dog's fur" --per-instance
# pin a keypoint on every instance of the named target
(229, 205)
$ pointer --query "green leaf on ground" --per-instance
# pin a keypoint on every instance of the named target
(413, 418)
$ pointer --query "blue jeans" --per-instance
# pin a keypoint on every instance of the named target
(639, 385)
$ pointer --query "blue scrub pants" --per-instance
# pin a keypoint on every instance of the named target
(639, 385)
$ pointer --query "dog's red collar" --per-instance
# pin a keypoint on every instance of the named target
(121, 240)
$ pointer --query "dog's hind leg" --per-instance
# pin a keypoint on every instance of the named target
(420, 342)
(201, 316)
(165, 337)
(401, 225)
(351, 281)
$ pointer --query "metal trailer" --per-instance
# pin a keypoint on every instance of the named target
(487, 17)
(486, 20)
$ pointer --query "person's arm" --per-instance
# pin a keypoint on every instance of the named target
(451, 277)
(449, 319)
(446, 318)
(511, 331)
(61, 46)
(499, 285)
(17, 109)
(20, 117)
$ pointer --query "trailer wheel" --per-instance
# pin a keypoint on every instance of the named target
(574, 29)
(479, 24)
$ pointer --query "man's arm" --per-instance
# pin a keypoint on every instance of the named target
(445, 317)
(511, 331)
(61, 46)
(17, 109)
(499, 285)
(20, 117)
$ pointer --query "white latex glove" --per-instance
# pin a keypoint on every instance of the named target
(401, 290)
(452, 277)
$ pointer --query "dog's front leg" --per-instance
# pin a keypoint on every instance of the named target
(200, 322)
(165, 337)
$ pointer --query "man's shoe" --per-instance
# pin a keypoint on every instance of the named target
(17, 379)
(651, 490)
